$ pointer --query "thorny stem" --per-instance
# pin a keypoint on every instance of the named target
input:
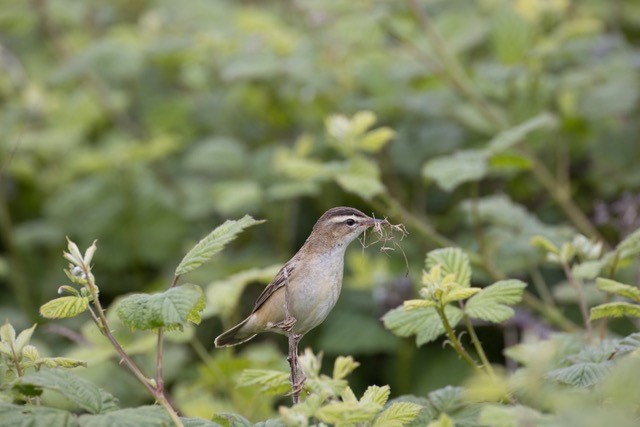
(455, 342)
(582, 302)
(102, 323)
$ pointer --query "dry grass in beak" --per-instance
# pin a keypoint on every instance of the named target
(389, 234)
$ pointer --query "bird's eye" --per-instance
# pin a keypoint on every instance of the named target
(350, 222)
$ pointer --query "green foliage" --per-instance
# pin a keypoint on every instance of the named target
(213, 243)
(171, 309)
(62, 307)
(493, 302)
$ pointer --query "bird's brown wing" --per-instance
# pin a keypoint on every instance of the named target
(279, 281)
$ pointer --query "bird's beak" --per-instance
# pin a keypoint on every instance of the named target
(371, 222)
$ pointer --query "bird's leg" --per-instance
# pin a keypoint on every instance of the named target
(289, 321)
(297, 376)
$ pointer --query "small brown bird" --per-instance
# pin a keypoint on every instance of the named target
(306, 289)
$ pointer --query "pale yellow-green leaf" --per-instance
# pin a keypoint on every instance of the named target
(361, 121)
(615, 309)
(397, 415)
(271, 382)
(418, 303)
(348, 396)
(64, 307)
(343, 366)
(457, 294)
(618, 288)
(452, 261)
(544, 243)
(346, 413)
(376, 395)
(443, 421)
(62, 362)
(24, 337)
(31, 352)
(7, 333)
(376, 139)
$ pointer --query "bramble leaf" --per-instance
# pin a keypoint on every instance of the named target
(269, 381)
(36, 416)
(422, 322)
(343, 366)
(397, 415)
(618, 288)
(78, 390)
(171, 309)
(453, 261)
(214, 243)
(492, 303)
(614, 309)
(62, 307)
(376, 395)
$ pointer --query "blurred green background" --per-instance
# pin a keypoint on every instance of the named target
(146, 124)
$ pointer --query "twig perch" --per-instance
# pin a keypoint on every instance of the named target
(297, 376)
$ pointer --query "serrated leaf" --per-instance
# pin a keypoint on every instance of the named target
(270, 382)
(457, 294)
(343, 366)
(78, 390)
(508, 138)
(424, 323)
(508, 416)
(34, 416)
(584, 374)
(24, 337)
(587, 269)
(151, 416)
(64, 307)
(347, 413)
(376, 139)
(443, 421)
(397, 415)
(31, 352)
(214, 243)
(452, 261)
(455, 169)
(172, 308)
(615, 309)
(628, 344)
(8, 334)
(630, 246)
(200, 422)
(62, 362)
(376, 395)
(618, 288)
(227, 419)
(492, 304)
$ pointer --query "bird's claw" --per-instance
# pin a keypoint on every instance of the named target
(287, 324)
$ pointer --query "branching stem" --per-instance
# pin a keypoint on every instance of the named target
(455, 342)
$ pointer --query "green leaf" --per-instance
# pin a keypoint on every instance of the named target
(630, 246)
(453, 261)
(376, 395)
(544, 243)
(618, 288)
(171, 309)
(213, 243)
(422, 322)
(585, 374)
(508, 416)
(376, 139)
(343, 366)
(64, 307)
(62, 362)
(628, 344)
(151, 416)
(587, 269)
(8, 333)
(492, 304)
(24, 337)
(270, 382)
(78, 390)
(615, 309)
(199, 422)
(443, 421)
(34, 416)
(362, 177)
(226, 419)
(346, 413)
(457, 294)
(397, 415)
(455, 169)
(508, 138)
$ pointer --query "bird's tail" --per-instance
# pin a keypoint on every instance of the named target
(236, 335)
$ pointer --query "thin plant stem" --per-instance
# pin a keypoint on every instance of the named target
(455, 342)
(582, 302)
(160, 349)
(478, 346)
(103, 325)
(541, 286)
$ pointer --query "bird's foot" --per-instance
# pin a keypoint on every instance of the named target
(287, 324)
